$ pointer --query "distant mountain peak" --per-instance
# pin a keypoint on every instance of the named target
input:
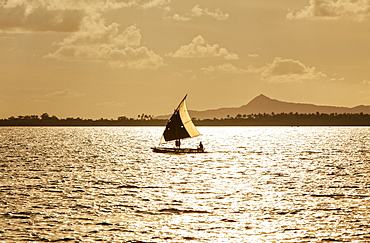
(260, 100)
(265, 104)
(260, 97)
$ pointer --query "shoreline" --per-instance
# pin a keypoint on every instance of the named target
(283, 119)
(113, 124)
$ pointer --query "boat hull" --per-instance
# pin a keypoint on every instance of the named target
(178, 150)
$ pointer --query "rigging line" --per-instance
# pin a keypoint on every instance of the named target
(181, 102)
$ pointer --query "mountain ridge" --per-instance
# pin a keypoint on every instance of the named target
(264, 104)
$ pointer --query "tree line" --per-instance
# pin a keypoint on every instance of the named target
(47, 117)
(260, 119)
(294, 119)
(51, 120)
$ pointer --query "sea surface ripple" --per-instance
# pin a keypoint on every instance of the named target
(256, 184)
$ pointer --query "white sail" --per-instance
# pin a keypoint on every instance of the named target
(186, 120)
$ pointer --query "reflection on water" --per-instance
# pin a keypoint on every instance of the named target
(257, 184)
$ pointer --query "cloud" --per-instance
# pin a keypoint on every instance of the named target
(253, 55)
(59, 15)
(357, 10)
(227, 68)
(151, 3)
(59, 94)
(336, 79)
(288, 70)
(98, 42)
(38, 16)
(200, 48)
(112, 104)
(175, 16)
(90, 39)
(94, 32)
(195, 12)
(65, 93)
(40, 100)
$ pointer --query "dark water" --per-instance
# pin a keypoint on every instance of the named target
(257, 184)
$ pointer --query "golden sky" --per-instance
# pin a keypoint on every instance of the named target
(107, 58)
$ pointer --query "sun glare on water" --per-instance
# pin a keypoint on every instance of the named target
(255, 184)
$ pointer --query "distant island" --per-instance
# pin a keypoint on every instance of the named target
(260, 111)
(263, 104)
(264, 119)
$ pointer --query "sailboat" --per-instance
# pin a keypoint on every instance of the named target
(179, 126)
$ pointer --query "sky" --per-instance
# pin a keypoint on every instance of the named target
(109, 58)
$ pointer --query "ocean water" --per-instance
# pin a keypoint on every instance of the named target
(256, 184)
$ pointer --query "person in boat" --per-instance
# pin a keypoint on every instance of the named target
(200, 147)
(178, 143)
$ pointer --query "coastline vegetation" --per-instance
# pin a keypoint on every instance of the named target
(280, 119)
